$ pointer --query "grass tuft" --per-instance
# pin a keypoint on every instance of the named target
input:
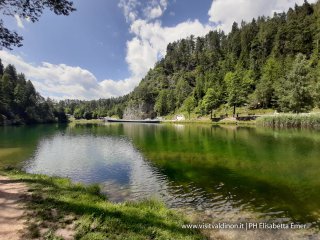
(53, 199)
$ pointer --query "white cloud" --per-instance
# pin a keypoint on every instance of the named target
(225, 12)
(151, 40)
(154, 12)
(19, 21)
(155, 9)
(134, 9)
(62, 81)
(129, 8)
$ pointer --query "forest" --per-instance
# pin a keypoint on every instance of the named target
(268, 63)
(20, 103)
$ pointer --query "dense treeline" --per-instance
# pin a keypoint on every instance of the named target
(267, 63)
(20, 103)
(95, 108)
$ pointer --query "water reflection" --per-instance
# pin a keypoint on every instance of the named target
(18, 143)
(84, 158)
(229, 173)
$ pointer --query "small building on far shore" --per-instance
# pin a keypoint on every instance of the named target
(180, 117)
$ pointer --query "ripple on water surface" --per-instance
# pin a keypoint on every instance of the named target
(228, 174)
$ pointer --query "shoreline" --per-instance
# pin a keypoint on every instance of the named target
(56, 207)
(275, 121)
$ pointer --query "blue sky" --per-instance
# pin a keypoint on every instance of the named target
(106, 46)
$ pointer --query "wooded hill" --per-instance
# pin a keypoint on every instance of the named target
(271, 62)
(20, 103)
(267, 63)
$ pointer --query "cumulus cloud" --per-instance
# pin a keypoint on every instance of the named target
(19, 21)
(134, 9)
(225, 12)
(63, 81)
(155, 9)
(154, 12)
(148, 43)
(151, 40)
(130, 9)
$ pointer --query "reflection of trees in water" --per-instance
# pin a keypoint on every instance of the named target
(275, 175)
(18, 143)
(221, 168)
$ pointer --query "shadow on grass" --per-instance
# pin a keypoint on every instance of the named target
(145, 220)
(134, 220)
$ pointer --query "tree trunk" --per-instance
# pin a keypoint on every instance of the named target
(234, 110)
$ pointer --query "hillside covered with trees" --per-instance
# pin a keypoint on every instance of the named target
(20, 103)
(267, 63)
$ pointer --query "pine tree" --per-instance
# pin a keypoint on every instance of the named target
(238, 85)
(1, 68)
(294, 91)
(271, 74)
(161, 106)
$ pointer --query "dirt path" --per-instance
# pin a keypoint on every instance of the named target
(12, 223)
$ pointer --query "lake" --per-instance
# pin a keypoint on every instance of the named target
(227, 173)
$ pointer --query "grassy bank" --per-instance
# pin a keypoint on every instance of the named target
(311, 121)
(191, 121)
(84, 121)
(55, 203)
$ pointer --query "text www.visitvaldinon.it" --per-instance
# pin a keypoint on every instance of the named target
(246, 226)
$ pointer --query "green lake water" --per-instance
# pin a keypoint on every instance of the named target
(227, 173)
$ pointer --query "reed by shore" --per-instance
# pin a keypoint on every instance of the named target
(304, 120)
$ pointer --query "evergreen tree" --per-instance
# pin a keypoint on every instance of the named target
(294, 91)
(7, 88)
(161, 105)
(271, 74)
(238, 87)
(212, 99)
(183, 90)
(1, 68)
(189, 104)
(20, 103)
(316, 85)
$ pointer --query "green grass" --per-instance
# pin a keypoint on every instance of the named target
(84, 121)
(311, 121)
(55, 202)
(242, 111)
